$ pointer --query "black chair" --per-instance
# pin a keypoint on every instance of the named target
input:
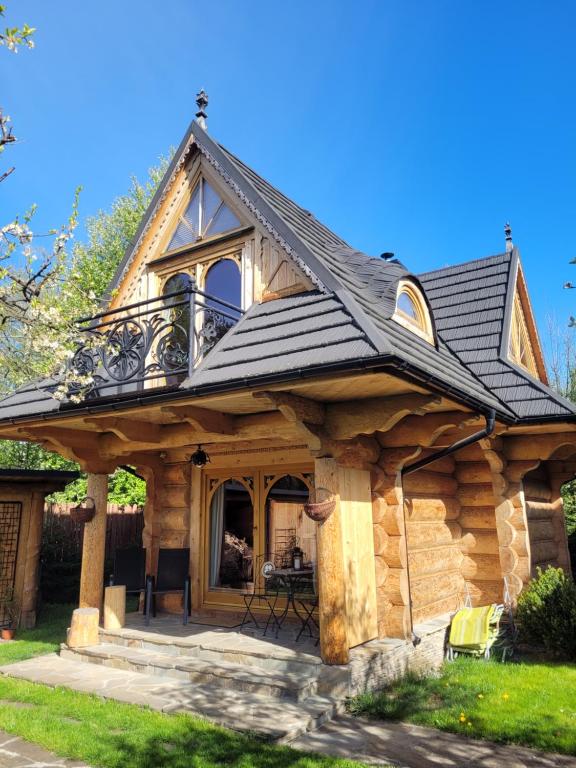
(172, 577)
(264, 594)
(129, 570)
(305, 606)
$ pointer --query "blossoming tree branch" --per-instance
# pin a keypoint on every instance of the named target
(39, 302)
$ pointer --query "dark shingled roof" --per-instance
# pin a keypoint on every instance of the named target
(299, 332)
(472, 303)
(347, 320)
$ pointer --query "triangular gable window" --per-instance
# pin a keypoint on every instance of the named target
(206, 215)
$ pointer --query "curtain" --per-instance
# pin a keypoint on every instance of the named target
(216, 534)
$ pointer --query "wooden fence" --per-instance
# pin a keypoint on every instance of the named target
(63, 537)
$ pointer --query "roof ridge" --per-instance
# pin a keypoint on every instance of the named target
(485, 260)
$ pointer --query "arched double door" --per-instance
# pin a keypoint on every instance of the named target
(249, 516)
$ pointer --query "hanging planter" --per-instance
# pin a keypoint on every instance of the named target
(320, 505)
(85, 512)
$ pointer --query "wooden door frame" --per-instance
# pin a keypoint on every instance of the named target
(232, 599)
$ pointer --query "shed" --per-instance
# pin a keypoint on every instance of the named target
(22, 495)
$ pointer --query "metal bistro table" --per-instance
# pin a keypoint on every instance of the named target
(291, 578)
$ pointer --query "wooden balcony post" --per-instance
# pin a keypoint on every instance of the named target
(334, 647)
(93, 550)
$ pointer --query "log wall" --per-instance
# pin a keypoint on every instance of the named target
(479, 544)
(434, 534)
(543, 508)
(167, 518)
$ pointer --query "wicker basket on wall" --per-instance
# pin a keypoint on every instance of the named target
(320, 505)
(84, 512)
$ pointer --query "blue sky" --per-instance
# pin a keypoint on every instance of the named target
(417, 127)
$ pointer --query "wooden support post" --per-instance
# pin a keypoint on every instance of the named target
(334, 647)
(114, 607)
(31, 571)
(93, 550)
(83, 628)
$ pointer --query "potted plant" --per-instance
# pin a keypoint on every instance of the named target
(10, 610)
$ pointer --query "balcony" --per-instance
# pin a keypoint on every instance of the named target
(149, 344)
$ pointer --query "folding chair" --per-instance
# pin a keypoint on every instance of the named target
(264, 593)
(306, 600)
(172, 577)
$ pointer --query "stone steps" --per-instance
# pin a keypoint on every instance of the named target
(276, 719)
(240, 649)
(215, 672)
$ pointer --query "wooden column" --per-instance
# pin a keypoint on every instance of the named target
(33, 544)
(331, 575)
(93, 551)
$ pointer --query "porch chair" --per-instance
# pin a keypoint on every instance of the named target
(129, 570)
(306, 601)
(481, 631)
(173, 577)
(264, 593)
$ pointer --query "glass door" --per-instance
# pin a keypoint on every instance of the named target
(230, 540)
(248, 516)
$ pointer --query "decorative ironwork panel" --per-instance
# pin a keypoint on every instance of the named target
(157, 341)
(10, 517)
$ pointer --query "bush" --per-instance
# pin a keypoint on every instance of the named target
(547, 612)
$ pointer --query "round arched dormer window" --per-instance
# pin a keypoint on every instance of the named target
(412, 311)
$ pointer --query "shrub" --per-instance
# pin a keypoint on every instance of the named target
(547, 612)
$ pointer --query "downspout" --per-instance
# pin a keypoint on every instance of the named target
(410, 468)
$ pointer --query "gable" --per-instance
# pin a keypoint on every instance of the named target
(198, 222)
(521, 343)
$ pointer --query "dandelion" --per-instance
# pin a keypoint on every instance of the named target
(462, 717)
(469, 724)
(480, 695)
(505, 696)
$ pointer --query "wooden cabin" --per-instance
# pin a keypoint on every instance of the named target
(304, 368)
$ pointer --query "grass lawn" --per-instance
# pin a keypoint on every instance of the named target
(46, 637)
(521, 703)
(115, 735)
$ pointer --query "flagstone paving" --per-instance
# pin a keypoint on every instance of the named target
(17, 753)
(412, 746)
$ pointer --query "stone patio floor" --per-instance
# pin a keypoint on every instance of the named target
(17, 753)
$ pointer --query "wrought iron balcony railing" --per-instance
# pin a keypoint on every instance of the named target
(151, 343)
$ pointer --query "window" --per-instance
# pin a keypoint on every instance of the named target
(412, 312)
(176, 342)
(223, 281)
(520, 347)
(205, 216)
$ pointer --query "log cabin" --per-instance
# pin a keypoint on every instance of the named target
(241, 330)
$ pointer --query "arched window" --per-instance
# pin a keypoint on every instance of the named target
(223, 281)
(175, 347)
(412, 312)
(287, 525)
(223, 287)
(206, 215)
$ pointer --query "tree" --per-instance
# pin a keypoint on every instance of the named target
(91, 267)
(35, 336)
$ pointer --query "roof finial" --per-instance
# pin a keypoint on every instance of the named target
(508, 233)
(202, 102)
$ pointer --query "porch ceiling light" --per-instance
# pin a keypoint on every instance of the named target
(199, 458)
